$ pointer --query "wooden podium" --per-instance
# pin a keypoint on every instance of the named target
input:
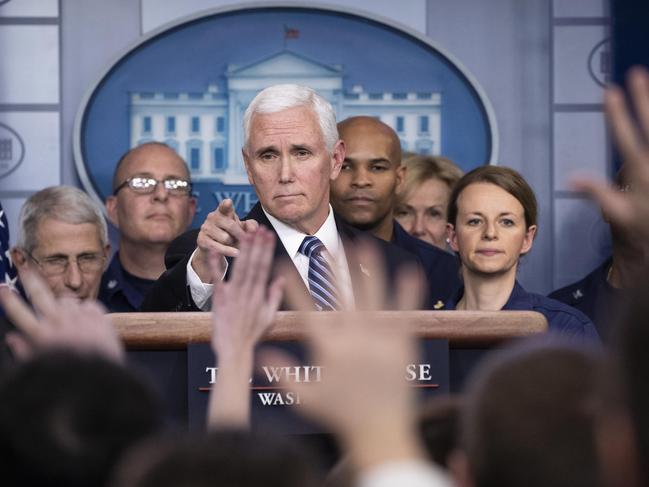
(157, 343)
(463, 329)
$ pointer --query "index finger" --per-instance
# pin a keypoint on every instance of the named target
(625, 134)
(226, 208)
(639, 90)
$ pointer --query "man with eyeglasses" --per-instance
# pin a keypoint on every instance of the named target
(62, 236)
(151, 205)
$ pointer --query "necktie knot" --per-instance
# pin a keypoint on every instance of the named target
(311, 245)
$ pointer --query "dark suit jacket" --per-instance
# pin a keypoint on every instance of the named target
(171, 292)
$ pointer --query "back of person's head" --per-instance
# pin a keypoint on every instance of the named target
(229, 458)
(62, 203)
(439, 425)
(285, 96)
(625, 395)
(505, 178)
(66, 419)
(528, 418)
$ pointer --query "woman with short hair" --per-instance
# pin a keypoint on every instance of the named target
(422, 198)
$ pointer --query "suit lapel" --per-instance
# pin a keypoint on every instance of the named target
(280, 254)
(359, 272)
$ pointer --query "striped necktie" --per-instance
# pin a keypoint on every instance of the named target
(321, 279)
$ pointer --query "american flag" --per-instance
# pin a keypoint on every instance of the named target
(7, 269)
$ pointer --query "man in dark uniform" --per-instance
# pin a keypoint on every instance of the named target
(291, 153)
(151, 205)
(601, 293)
(364, 195)
(594, 296)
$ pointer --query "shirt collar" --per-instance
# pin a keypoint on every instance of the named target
(519, 299)
(292, 238)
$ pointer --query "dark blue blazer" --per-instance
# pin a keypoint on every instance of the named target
(118, 291)
(561, 318)
(171, 292)
(594, 297)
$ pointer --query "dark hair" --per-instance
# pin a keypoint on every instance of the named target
(503, 177)
(439, 424)
(66, 419)
(234, 458)
(629, 369)
(528, 418)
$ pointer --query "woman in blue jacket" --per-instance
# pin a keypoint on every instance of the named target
(491, 224)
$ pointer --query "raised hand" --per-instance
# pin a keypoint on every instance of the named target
(66, 323)
(221, 232)
(243, 308)
(629, 210)
(363, 395)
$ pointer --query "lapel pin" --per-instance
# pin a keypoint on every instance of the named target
(438, 305)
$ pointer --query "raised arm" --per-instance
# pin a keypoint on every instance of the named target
(363, 396)
(243, 308)
(630, 209)
(81, 326)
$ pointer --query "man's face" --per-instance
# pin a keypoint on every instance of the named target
(364, 192)
(154, 218)
(288, 164)
(69, 256)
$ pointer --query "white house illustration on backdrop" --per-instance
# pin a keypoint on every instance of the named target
(206, 128)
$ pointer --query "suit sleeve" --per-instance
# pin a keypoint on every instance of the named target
(171, 292)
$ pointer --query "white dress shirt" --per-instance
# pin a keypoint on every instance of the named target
(291, 239)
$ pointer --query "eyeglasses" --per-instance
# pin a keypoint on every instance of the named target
(144, 185)
(55, 266)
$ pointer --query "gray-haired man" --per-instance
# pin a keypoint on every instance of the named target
(62, 235)
(291, 153)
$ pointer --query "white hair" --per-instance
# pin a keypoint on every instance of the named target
(63, 203)
(282, 97)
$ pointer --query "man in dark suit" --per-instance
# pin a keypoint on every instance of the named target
(364, 195)
(291, 153)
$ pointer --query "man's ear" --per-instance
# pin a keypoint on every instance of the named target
(191, 210)
(111, 210)
(19, 258)
(337, 159)
(451, 236)
(401, 174)
(246, 163)
(106, 250)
